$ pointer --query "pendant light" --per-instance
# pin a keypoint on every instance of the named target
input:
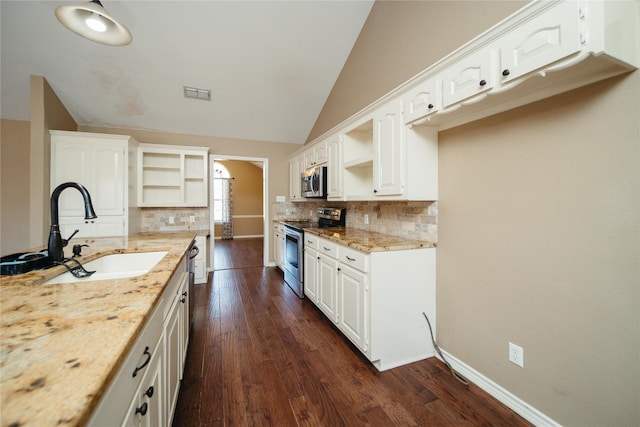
(92, 22)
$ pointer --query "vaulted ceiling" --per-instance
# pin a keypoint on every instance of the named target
(270, 65)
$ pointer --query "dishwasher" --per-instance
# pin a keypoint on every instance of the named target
(193, 253)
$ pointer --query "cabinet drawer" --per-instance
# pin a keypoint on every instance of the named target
(354, 258)
(310, 241)
(113, 406)
(328, 248)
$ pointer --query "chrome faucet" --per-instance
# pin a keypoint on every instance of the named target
(56, 242)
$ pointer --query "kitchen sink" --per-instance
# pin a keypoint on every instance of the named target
(114, 266)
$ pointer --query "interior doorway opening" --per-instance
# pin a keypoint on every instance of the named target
(249, 213)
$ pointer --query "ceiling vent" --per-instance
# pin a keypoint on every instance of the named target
(195, 93)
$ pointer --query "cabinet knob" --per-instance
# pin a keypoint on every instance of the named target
(483, 82)
(506, 72)
(430, 106)
(184, 297)
(149, 392)
(375, 191)
(142, 410)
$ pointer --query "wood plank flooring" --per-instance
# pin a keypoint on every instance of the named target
(237, 253)
(260, 356)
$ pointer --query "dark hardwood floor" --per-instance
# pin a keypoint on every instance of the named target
(237, 253)
(260, 356)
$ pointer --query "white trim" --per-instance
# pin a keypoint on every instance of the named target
(516, 404)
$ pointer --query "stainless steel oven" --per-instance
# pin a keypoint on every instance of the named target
(293, 258)
(294, 244)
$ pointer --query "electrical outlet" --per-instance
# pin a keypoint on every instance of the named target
(192, 218)
(171, 220)
(516, 354)
(366, 219)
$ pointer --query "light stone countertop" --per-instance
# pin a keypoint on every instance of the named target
(60, 345)
(368, 241)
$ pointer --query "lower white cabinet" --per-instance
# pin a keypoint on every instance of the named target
(144, 391)
(278, 244)
(376, 299)
(200, 261)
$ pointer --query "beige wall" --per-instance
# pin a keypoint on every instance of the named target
(47, 112)
(538, 222)
(398, 41)
(247, 198)
(539, 244)
(14, 180)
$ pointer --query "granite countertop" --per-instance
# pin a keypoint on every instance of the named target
(60, 345)
(368, 241)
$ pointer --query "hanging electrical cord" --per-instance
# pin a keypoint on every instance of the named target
(455, 373)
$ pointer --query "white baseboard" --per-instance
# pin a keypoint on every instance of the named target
(516, 404)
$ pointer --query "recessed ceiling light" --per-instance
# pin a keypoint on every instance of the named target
(195, 93)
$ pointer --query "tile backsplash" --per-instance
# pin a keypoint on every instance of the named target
(413, 220)
(159, 219)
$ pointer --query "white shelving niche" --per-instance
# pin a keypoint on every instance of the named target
(172, 176)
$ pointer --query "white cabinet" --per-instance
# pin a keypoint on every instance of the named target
(104, 164)
(375, 299)
(296, 167)
(423, 101)
(467, 78)
(144, 391)
(327, 280)
(172, 176)
(389, 165)
(334, 168)
(316, 155)
(311, 263)
(147, 407)
(354, 305)
(200, 261)
(278, 244)
(540, 42)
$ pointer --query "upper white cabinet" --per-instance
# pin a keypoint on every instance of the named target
(296, 167)
(334, 168)
(467, 78)
(316, 155)
(389, 170)
(104, 164)
(172, 176)
(422, 101)
(540, 42)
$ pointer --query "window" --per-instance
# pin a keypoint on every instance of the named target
(220, 198)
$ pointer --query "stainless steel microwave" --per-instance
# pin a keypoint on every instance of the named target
(313, 182)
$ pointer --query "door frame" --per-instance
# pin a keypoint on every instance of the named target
(265, 197)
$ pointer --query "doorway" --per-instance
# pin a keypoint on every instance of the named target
(244, 219)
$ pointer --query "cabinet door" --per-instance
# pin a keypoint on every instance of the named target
(296, 167)
(388, 150)
(422, 101)
(328, 287)
(540, 42)
(321, 153)
(147, 407)
(334, 168)
(352, 291)
(107, 186)
(71, 162)
(311, 274)
(469, 77)
(172, 358)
